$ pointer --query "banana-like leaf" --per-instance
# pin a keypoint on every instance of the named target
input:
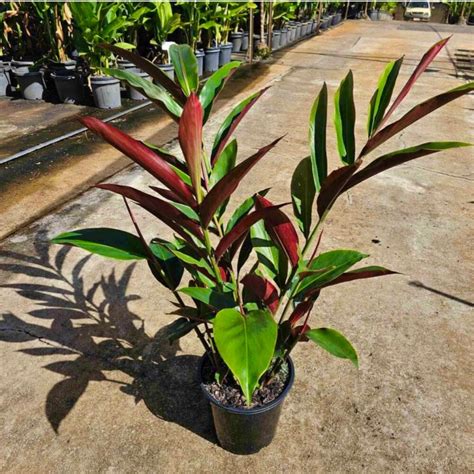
(344, 119)
(185, 67)
(281, 230)
(334, 185)
(168, 262)
(230, 123)
(111, 243)
(228, 184)
(333, 342)
(422, 66)
(382, 95)
(396, 158)
(262, 289)
(155, 93)
(190, 139)
(159, 208)
(335, 263)
(214, 85)
(361, 273)
(246, 344)
(152, 69)
(142, 155)
(317, 138)
(242, 228)
(303, 192)
(415, 114)
(214, 298)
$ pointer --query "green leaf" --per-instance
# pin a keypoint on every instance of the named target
(168, 262)
(154, 92)
(214, 85)
(111, 243)
(267, 252)
(333, 342)
(125, 46)
(334, 263)
(317, 137)
(214, 298)
(382, 95)
(246, 344)
(185, 67)
(303, 192)
(344, 119)
(225, 162)
(179, 328)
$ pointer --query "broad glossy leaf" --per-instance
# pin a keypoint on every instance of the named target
(382, 95)
(190, 138)
(333, 342)
(263, 289)
(361, 273)
(214, 298)
(334, 185)
(241, 228)
(281, 230)
(303, 192)
(111, 243)
(142, 155)
(344, 119)
(214, 85)
(225, 163)
(422, 66)
(399, 157)
(152, 69)
(334, 262)
(228, 184)
(185, 67)
(317, 138)
(168, 262)
(230, 123)
(246, 344)
(155, 93)
(415, 114)
(159, 208)
(269, 256)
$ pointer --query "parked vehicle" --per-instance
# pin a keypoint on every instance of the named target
(419, 11)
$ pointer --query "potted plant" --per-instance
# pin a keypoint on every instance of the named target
(160, 23)
(249, 322)
(211, 29)
(96, 23)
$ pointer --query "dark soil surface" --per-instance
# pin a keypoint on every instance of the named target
(229, 393)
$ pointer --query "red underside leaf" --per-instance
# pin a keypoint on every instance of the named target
(241, 228)
(422, 66)
(190, 137)
(167, 194)
(263, 289)
(142, 155)
(281, 229)
(159, 208)
(228, 184)
(300, 311)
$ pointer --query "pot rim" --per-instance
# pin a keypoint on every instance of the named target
(255, 410)
(109, 79)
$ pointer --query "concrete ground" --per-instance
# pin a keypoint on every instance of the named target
(89, 386)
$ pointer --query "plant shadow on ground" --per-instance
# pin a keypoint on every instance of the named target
(100, 336)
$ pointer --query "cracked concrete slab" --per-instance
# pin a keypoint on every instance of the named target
(88, 384)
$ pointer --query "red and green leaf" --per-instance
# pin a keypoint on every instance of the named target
(185, 67)
(262, 289)
(300, 311)
(361, 273)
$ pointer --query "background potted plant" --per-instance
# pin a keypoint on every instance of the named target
(251, 279)
(96, 23)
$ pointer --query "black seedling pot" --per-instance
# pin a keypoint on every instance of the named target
(246, 431)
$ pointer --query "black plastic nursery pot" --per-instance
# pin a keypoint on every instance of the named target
(245, 42)
(5, 81)
(32, 86)
(168, 69)
(236, 40)
(69, 86)
(211, 59)
(225, 53)
(283, 37)
(133, 93)
(276, 39)
(106, 92)
(246, 430)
